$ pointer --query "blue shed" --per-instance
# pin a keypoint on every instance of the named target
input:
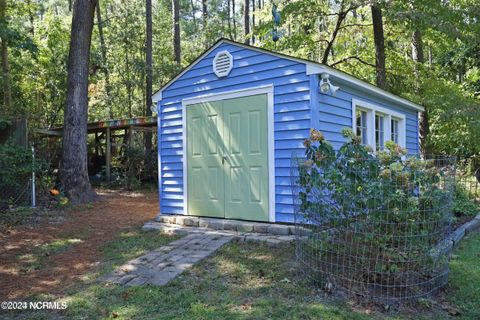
(229, 123)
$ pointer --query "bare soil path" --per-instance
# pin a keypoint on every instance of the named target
(48, 258)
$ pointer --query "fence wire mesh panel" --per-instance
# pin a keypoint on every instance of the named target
(468, 178)
(374, 227)
(17, 194)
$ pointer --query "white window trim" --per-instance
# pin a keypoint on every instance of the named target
(387, 114)
(264, 89)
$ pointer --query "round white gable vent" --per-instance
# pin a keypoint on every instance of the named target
(222, 63)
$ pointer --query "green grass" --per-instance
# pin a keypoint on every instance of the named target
(464, 282)
(242, 281)
(247, 281)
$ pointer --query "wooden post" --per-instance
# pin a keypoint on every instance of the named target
(130, 136)
(96, 144)
(108, 155)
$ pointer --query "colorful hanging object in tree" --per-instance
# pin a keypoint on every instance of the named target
(276, 23)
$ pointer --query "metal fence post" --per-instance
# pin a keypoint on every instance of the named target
(33, 177)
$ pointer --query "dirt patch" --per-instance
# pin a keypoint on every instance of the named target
(48, 258)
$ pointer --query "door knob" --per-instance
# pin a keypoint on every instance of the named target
(224, 158)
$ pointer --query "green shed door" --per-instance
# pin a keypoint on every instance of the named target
(227, 158)
(205, 177)
(246, 148)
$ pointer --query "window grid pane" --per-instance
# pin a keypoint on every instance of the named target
(394, 127)
(362, 126)
(379, 132)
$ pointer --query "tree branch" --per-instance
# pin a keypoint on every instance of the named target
(354, 58)
(355, 25)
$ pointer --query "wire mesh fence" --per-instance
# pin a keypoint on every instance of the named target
(19, 195)
(468, 179)
(374, 228)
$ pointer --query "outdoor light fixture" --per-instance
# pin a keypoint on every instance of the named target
(153, 108)
(326, 85)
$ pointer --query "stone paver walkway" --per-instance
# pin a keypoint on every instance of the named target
(161, 265)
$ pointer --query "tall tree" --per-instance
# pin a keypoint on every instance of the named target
(379, 40)
(229, 21)
(194, 11)
(105, 69)
(234, 21)
(341, 16)
(205, 21)
(7, 88)
(419, 58)
(74, 170)
(176, 31)
(253, 21)
(246, 21)
(149, 71)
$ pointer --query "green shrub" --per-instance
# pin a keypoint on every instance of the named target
(463, 203)
(376, 218)
(15, 165)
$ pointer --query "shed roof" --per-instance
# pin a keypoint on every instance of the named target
(312, 68)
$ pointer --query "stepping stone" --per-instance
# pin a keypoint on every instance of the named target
(158, 267)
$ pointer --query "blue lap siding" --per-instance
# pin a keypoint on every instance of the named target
(298, 106)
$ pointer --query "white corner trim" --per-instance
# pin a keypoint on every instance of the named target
(372, 109)
(265, 89)
(226, 60)
(157, 97)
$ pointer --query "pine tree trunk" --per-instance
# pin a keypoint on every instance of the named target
(7, 88)
(419, 58)
(74, 170)
(229, 19)
(176, 30)
(379, 41)
(253, 21)
(106, 72)
(246, 21)
(149, 75)
(234, 21)
(193, 16)
(205, 21)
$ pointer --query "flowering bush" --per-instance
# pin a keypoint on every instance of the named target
(380, 214)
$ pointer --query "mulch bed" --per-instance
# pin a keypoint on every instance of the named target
(460, 221)
(94, 225)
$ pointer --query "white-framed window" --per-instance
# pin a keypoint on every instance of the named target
(375, 125)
